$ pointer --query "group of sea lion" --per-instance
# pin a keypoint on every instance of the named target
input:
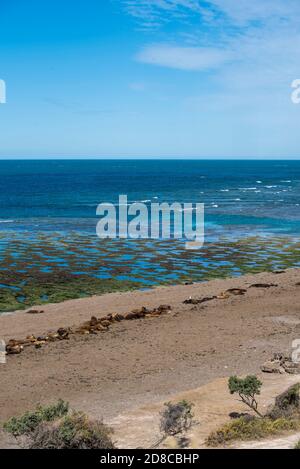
(226, 294)
(14, 346)
(93, 326)
(102, 324)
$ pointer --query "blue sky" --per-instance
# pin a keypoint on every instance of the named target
(149, 78)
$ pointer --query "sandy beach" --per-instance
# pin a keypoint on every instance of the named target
(148, 360)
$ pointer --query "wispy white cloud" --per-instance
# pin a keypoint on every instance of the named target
(238, 12)
(243, 12)
(183, 58)
(152, 13)
(248, 50)
(258, 34)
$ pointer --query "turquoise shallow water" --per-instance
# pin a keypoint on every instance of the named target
(48, 221)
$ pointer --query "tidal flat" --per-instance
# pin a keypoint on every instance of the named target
(45, 268)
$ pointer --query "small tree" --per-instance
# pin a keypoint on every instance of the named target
(176, 418)
(247, 389)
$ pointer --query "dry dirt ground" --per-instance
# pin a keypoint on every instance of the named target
(212, 406)
(146, 361)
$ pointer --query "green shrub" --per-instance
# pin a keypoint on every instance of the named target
(28, 422)
(251, 428)
(287, 404)
(74, 431)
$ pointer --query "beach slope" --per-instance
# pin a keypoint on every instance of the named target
(150, 359)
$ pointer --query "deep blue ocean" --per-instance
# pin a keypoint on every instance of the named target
(244, 197)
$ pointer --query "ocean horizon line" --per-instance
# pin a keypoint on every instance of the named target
(171, 158)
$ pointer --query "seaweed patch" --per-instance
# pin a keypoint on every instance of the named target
(41, 268)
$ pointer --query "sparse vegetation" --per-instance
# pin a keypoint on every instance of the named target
(247, 389)
(54, 427)
(176, 418)
(283, 417)
(74, 431)
(287, 404)
(28, 422)
(297, 445)
(252, 428)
